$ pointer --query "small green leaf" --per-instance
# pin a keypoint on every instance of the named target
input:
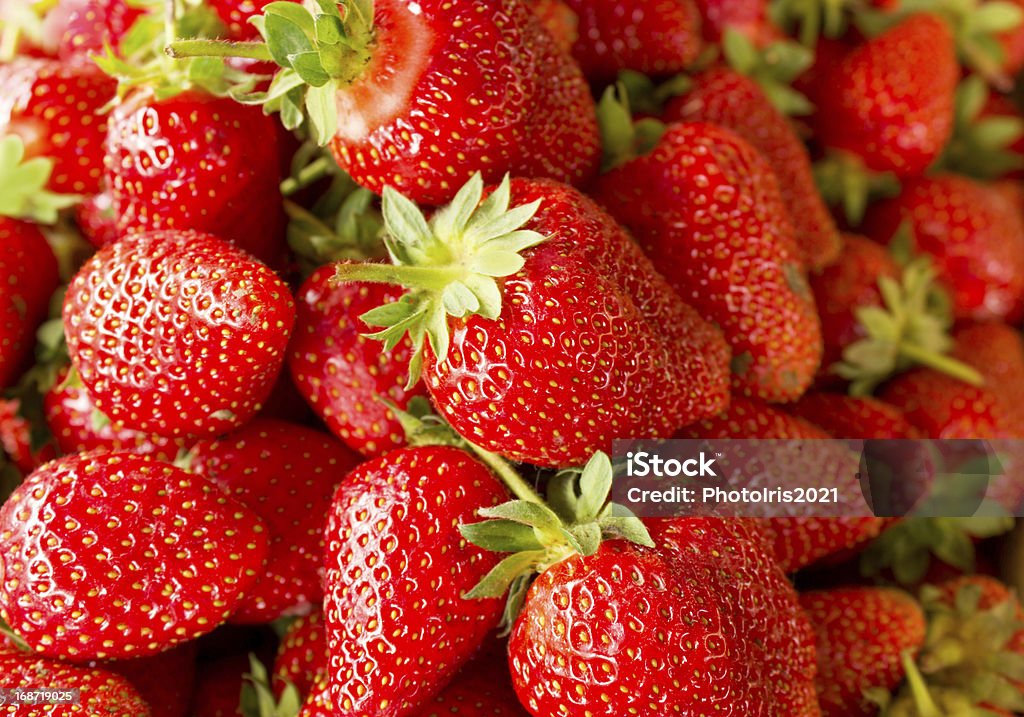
(287, 37)
(322, 106)
(453, 219)
(615, 122)
(739, 51)
(403, 220)
(496, 583)
(628, 528)
(595, 486)
(587, 537)
(307, 66)
(389, 314)
(501, 536)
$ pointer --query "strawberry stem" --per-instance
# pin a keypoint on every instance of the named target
(945, 364)
(181, 49)
(312, 172)
(923, 699)
(515, 482)
(411, 277)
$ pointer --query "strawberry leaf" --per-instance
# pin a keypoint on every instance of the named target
(23, 193)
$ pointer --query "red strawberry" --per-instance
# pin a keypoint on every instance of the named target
(236, 14)
(996, 351)
(16, 440)
(102, 692)
(973, 235)
(890, 101)
(749, 17)
(96, 219)
(55, 108)
(77, 425)
(286, 474)
(629, 358)
(302, 656)
(483, 688)
(861, 634)
(853, 416)
(218, 690)
(747, 418)
(724, 97)
(391, 606)
(194, 161)
(95, 562)
(380, 110)
(559, 20)
(342, 373)
(28, 273)
(177, 333)
(91, 25)
(164, 681)
(798, 542)
(706, 208)
(656, 38)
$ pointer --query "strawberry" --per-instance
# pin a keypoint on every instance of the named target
(706, 208)
(973, 235)
(16, 439)
(164, 681)
(302, 656)
(653, 38)
(96, 219)
(861, 634)
(190, 346)
(748, 17)
(747, 418)
(483, 688)
(374, 98)
(195, 161)
(390, 606)
(237, 16)
(559, 20)
(70, 593)
(996, 351)
(799, 542)
(890, 100)
(630, 358)
(101, 692)
(286, 474)
(726, 98)
(343, 374)
(88, 26)
(852, 416)
(56, 109)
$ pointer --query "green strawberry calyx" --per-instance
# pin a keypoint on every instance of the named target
(450, 264)
(318, 52)
(910, 329)
(622, 138)
(23, 193)
(773, 67)
(809, 19)
(981, 145)
(845, 182)
(258, 698)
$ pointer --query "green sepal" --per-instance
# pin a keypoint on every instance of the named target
(257, 695)
(981, 146)
(809, 19)
(498, 581)
(14, 637)
(622, 139)
(501, 536)
(845, 182)
(23, 193)
(645, 96)
(773, 67)
(23, 19)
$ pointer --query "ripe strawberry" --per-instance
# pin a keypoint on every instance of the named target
(973, 235)
(706, 208)
(996, 351)
(194, 161)
(890, 101)
(559, 20)
(747, 418)
(55, 108)
(660, 38)
(96, 219)
(177, 333)
(286, 474)
(88, 26)
(218, 689)
(749, 17)
(342, 373)
(102, 692)
(377, 103)
(28, 273)
(861, 634)
(483, 688)
(302, 656)
(724, 97)
(798, 542)
(387, 604)
(852, 416)
(629, 359)
(164, 681)
(77, 425)
(92, 551)
(16, 439)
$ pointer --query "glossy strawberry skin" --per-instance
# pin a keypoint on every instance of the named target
(890, 100)
(89, 25)
(286, 474)
(55, 108)
(102, 692)
(861, 635)
(840, 289)
(389, 606)
(28, 273)
(798, 542)
(302, 655)
(341, 373)
(627, 358)
(483, 688)
(706, 208)
(96, 219)
(654, 38)
(210, 344)
(726, 98)
(93, 547)
(164, 681)
(194, 161)
(973, 235)
(449, 126)
(845, 416)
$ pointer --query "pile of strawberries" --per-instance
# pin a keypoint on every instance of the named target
(318, 320)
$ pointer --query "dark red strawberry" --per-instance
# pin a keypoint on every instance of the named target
(862, 633)
(114, 555)
(559, 20)
(195, 161)
(746, 418)
(749, 17)
(798, 542)
(55, 108)
(286, 474)
(28, 273)
(218, 689)
(377, 102)
(852, 416)
(164, 681)
(343, 374)
(389, 604)
(656, 38)
(630, 359)
(16, 439)
(177, 333)
(302, 656)
(483, 688)
(96, 219)
(724, 97)
(996, 351)
(101, 691)
(973, 235)
(889, 102)
(706, 208)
